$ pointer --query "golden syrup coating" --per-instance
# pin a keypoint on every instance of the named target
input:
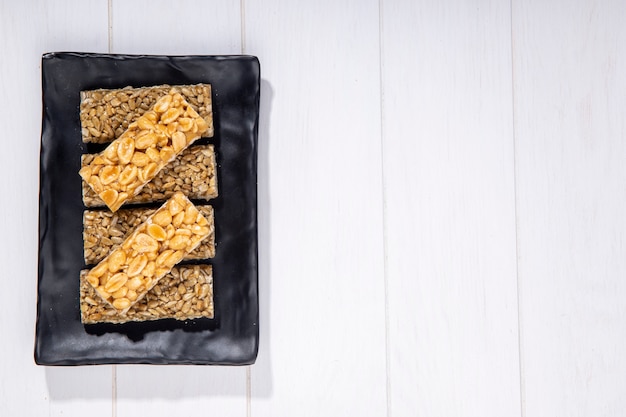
(142, 259)
(153, 141)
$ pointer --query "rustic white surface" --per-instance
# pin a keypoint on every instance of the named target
(450, 209)
(441, 189)
(570, 112)
(200, 27)
(322, 281)
(27, 30)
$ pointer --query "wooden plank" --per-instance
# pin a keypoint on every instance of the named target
(215, 29)
(192, 27)
(73, 390)
(569, 62)
(27, 30)
(450, 212)
(181, 390)
(321, 252)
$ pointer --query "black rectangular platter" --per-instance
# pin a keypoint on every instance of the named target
(231, 338)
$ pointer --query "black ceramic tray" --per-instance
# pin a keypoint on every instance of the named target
(232, 336)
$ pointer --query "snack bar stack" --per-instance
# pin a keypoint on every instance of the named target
(148, 253)
(104, 231)
(193, 172)
(105, 114)
(149, 144)
(184, 293)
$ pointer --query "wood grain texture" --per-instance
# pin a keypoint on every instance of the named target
(216, 29)
(322, 288)
(570, 112)
(191, 27)
(181, 390)
(27, 30)
(450, 209)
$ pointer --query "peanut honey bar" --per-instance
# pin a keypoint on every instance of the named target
(106, 114)
(185, 293)
(149, 252)
(104, 231)
(193, 173)
(149, 144)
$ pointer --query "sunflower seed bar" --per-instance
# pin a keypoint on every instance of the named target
(104, 231)
(149, 144)
(185, 293)
(106, 114)
(150, 252)
(193, 173)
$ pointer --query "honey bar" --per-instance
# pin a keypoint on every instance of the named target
(193, 173)
(106, 114)
(185, 293)
(149, 144)
(148, 253)
(103, 231)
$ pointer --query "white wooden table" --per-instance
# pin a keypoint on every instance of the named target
(442, 190)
